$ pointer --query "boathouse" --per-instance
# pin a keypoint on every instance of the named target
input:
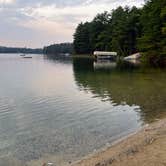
(105, 55)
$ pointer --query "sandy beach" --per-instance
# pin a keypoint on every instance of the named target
(145, 148)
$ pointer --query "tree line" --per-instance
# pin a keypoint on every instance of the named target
(61, 48)
(20, 50)
(126, 31)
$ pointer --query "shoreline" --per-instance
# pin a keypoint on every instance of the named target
(143, 147)
(146, 146)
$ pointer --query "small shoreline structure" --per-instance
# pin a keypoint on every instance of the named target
(112, 56)
(103, 55)
(109, 60)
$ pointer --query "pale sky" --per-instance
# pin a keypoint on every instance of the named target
(36, 23)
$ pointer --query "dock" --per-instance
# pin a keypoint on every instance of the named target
(105, 55)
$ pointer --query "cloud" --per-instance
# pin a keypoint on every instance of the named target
(40, 22)
(6, 1)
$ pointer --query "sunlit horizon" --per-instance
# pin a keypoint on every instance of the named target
(35, 24)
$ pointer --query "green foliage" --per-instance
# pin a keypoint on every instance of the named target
(115, 31)
(150, 20)
(82, 43)
(126, 31)
(20, 50)
(59, 48)
(87, 35)
(153, 39)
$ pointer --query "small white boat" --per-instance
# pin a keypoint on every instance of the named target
(22, 55)
(67, 54)
(27, 56)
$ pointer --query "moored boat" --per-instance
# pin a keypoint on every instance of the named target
(22, 55)
(27, 57)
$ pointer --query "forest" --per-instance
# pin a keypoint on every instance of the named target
(61, 48)
(20, 50)
(126, 31)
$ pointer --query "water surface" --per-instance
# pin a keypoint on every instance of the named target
(67, 108)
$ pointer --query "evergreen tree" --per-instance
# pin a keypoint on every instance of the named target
(59, 48)
(152, 41)
(82, 43)
(126, 31)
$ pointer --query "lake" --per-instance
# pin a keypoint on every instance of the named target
(60, 110)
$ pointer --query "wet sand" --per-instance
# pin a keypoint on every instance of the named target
(145, 148)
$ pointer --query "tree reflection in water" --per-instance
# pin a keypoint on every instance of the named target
(125, 83)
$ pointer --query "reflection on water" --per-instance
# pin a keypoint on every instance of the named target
(126, 83)
(59, 110)
(104, 64)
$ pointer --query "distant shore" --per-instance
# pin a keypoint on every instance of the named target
(89, 56)
(147, 148)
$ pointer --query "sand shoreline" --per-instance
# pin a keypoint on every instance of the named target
(144, 147)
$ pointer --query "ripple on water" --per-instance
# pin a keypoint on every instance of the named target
(51, 108)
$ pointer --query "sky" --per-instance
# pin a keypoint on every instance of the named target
(38, 23)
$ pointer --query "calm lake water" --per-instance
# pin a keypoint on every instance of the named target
(60, 110)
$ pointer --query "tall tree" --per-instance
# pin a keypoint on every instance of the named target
(153, 39)
(82, 43)
(126, 31)
(59, 48)
(98, 27)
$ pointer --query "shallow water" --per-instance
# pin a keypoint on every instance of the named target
(67, 108)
